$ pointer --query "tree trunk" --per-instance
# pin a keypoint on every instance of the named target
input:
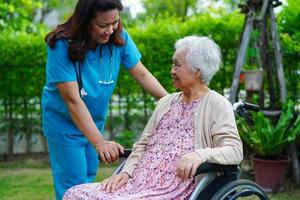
(265, 57)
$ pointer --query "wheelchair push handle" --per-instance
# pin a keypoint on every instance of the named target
(243, 108)
(240, 107)
(250, 106)
(126, 154)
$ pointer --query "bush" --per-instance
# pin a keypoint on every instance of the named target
(22, 66)
(126, 139)
(269, 140)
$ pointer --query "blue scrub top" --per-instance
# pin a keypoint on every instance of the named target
(57, 123)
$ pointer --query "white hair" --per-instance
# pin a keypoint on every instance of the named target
(203, 54)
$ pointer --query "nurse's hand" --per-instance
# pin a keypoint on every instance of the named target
(115, 182)
(109, 151)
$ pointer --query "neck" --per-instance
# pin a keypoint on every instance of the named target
(193, 93)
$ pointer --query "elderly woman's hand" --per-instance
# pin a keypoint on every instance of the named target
(188, 165)
(115, 182)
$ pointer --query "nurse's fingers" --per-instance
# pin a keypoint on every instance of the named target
(107, 156)
(115, 151)
(102, 157)
(112, 154)
(120, 148)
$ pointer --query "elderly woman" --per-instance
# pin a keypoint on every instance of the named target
(187, 128)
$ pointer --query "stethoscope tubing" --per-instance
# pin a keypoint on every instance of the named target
(77, 67)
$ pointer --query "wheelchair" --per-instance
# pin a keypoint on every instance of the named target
(227, 185)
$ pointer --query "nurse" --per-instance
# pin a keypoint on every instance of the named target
(84, 58)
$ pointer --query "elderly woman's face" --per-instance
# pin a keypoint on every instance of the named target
(182, 77)
(103, 25)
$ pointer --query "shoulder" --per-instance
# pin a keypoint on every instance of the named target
(60, 45)
(58, 54)
(217, 100)
(125, 34)
(168, 98)
(126, 37)
(165, 102)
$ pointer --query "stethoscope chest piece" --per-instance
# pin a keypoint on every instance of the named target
(110, 81)
(106, 82)
(83, 93)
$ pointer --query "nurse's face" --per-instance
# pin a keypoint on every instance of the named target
(103, 25)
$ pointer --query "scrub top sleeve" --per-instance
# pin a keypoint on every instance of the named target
(59, 67)
(130, 53)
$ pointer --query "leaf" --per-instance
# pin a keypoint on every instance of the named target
(295, 130)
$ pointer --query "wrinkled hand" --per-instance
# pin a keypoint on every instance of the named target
(109, 151)
(115, 182)
(188, 165)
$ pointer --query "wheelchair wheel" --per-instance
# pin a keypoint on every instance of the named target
(239, 189)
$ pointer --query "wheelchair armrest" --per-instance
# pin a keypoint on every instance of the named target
(212, 167)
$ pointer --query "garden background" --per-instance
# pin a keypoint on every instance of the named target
(22, 73)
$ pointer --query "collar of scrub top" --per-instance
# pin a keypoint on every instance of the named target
(77, 66)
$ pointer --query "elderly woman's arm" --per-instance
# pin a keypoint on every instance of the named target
(227, 146)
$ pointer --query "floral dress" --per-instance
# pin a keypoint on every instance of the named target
(155, 175)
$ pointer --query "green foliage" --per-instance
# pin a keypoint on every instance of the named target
(126, 138)
(178, 8)
(18, 15)
(23, 58)
(155, 39)
(23, 51)
(289, 25)
(184, 8)
(266, 139)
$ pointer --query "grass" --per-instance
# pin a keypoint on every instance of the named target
(33, 181)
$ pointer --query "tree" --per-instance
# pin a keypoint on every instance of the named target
(178, 8)
(19, 15)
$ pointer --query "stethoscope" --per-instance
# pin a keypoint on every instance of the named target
(77, 67)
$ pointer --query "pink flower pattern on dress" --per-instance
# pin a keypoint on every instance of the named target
(155, 175)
